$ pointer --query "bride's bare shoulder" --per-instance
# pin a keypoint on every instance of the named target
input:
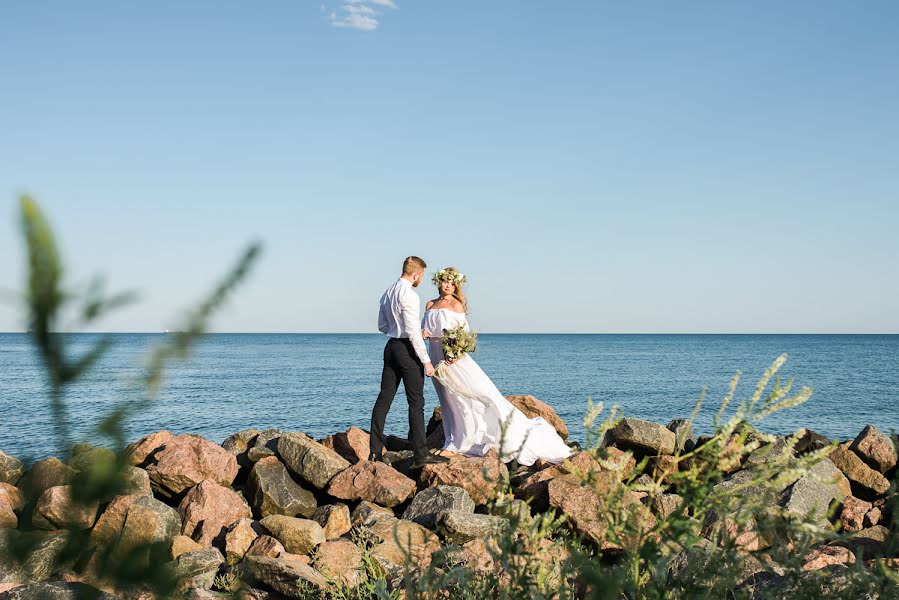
(456, 306)
(430, 303)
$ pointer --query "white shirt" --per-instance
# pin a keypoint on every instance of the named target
(398, 317)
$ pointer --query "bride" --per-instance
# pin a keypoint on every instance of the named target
(476, 416)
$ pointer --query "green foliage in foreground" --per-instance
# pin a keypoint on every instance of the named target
(697, 551)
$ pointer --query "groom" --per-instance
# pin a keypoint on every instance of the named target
(406, 359)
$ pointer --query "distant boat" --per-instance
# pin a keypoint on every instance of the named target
(171, 332)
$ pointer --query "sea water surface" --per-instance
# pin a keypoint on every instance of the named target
(322, 384)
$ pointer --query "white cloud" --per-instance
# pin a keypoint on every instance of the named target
(360, 14)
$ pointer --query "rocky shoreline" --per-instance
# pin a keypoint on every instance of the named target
(274, 514)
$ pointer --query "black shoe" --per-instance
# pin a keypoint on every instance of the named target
(430, 459)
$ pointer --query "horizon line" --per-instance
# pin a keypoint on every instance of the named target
(479, 333)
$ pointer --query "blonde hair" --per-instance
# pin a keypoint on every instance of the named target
(457, 282)
(413, 264)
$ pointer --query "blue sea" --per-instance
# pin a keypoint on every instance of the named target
(322, 384)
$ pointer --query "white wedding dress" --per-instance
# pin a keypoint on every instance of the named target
(476, 416)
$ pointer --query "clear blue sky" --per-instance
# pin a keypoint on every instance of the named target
(592, 167)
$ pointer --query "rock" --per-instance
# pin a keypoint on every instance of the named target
(767, 452)
(581, 506)
(310, 460)
(393, 443)
(461, 526)
(372, 481)
(352, 444)
(663, 467)
(290, 578)
(428, 503)
(583, 466)
(852, 517)
(866, 482)
(11, 469)
(367, 513)
(298, 536)
(334, 520)
(683, 434)
(665, 505)
(8, 518)
(813, 493)
(474, 556)
(198, 568)
(56, 509)
(265, 444)
(148, 522)
(208, 509)
(479, 476)
(340, 560)
(239, 444)
(435, 421)
(111, 521)
(867, 543)
(401, 540)
(642, 436)
(56, 590)
(238, 539)
(825, 556)
(12, 496)
(875, 448)
(186, 460)
(873, 517)
(45, 474)
(810, 441)
(532, 407)
(265, 545)
(272, 491)
(142, 452)
(182, 544)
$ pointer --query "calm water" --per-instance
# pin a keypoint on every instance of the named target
(321, 384)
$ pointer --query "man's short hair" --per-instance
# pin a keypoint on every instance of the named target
(413, 264)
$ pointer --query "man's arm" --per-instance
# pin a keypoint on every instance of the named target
(383, 323)
(412, 326)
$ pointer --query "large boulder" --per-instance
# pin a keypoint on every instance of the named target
(401, 540)
(12, 496)
(265, 545)
(310, 460)
(298, 536)
(208, 509)
(186, 460)
(367, 513)
(372, 481)
(182, 544)
(148, 522)
(11, 469)
(866, 482)
(264, 445)
(238, 539)
(583, 465)
(461, 526)
(239, 444)
(352, 444)
(642, 436)
(57, 509)
(532, 407)
(197, 568)
(428, 503)
(143, 451)
(341, 560)
(875, 448)
(8, 517)
(288, 577)
(813, 493)
(481, 477)
(334, 519)
(45, 474)
(111, 521)
(56, 590)
(852, 516)
(272, 491)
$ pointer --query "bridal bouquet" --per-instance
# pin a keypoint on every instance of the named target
(457, 342)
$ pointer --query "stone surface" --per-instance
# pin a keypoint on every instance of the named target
(198, 567)
(143, 451)
(367, 513)
(311, 461)
(532, 407)
(479, 476)
(813, 493)
(352, 444)
(290, 578)
(340, 560)
(182, 544)
(683, 434)
(272, 491)
(265, 444)
(875, 448)
(461, 526)
(583, 466)
(56, 590)
(238, 539)
(810, 441)
(148, 521)
(112, 519)
(208, 509)
(852, 517)
(239, 444)
(186, 460)
(826, 556)
(334, 520)
(265, 545)
(12, 496)
(8, 517)
(665, 505)
(298, 536)
(866, 482)
(642, 436)
(372, 481)
(867, 543)
(11, 469)
(400, 541)
(56, 509)
(428, 503)
(45, 474)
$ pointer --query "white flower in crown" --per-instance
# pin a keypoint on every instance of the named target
(444, 275)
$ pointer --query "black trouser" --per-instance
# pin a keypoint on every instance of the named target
(401, 363)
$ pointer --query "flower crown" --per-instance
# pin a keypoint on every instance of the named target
(446, 275)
